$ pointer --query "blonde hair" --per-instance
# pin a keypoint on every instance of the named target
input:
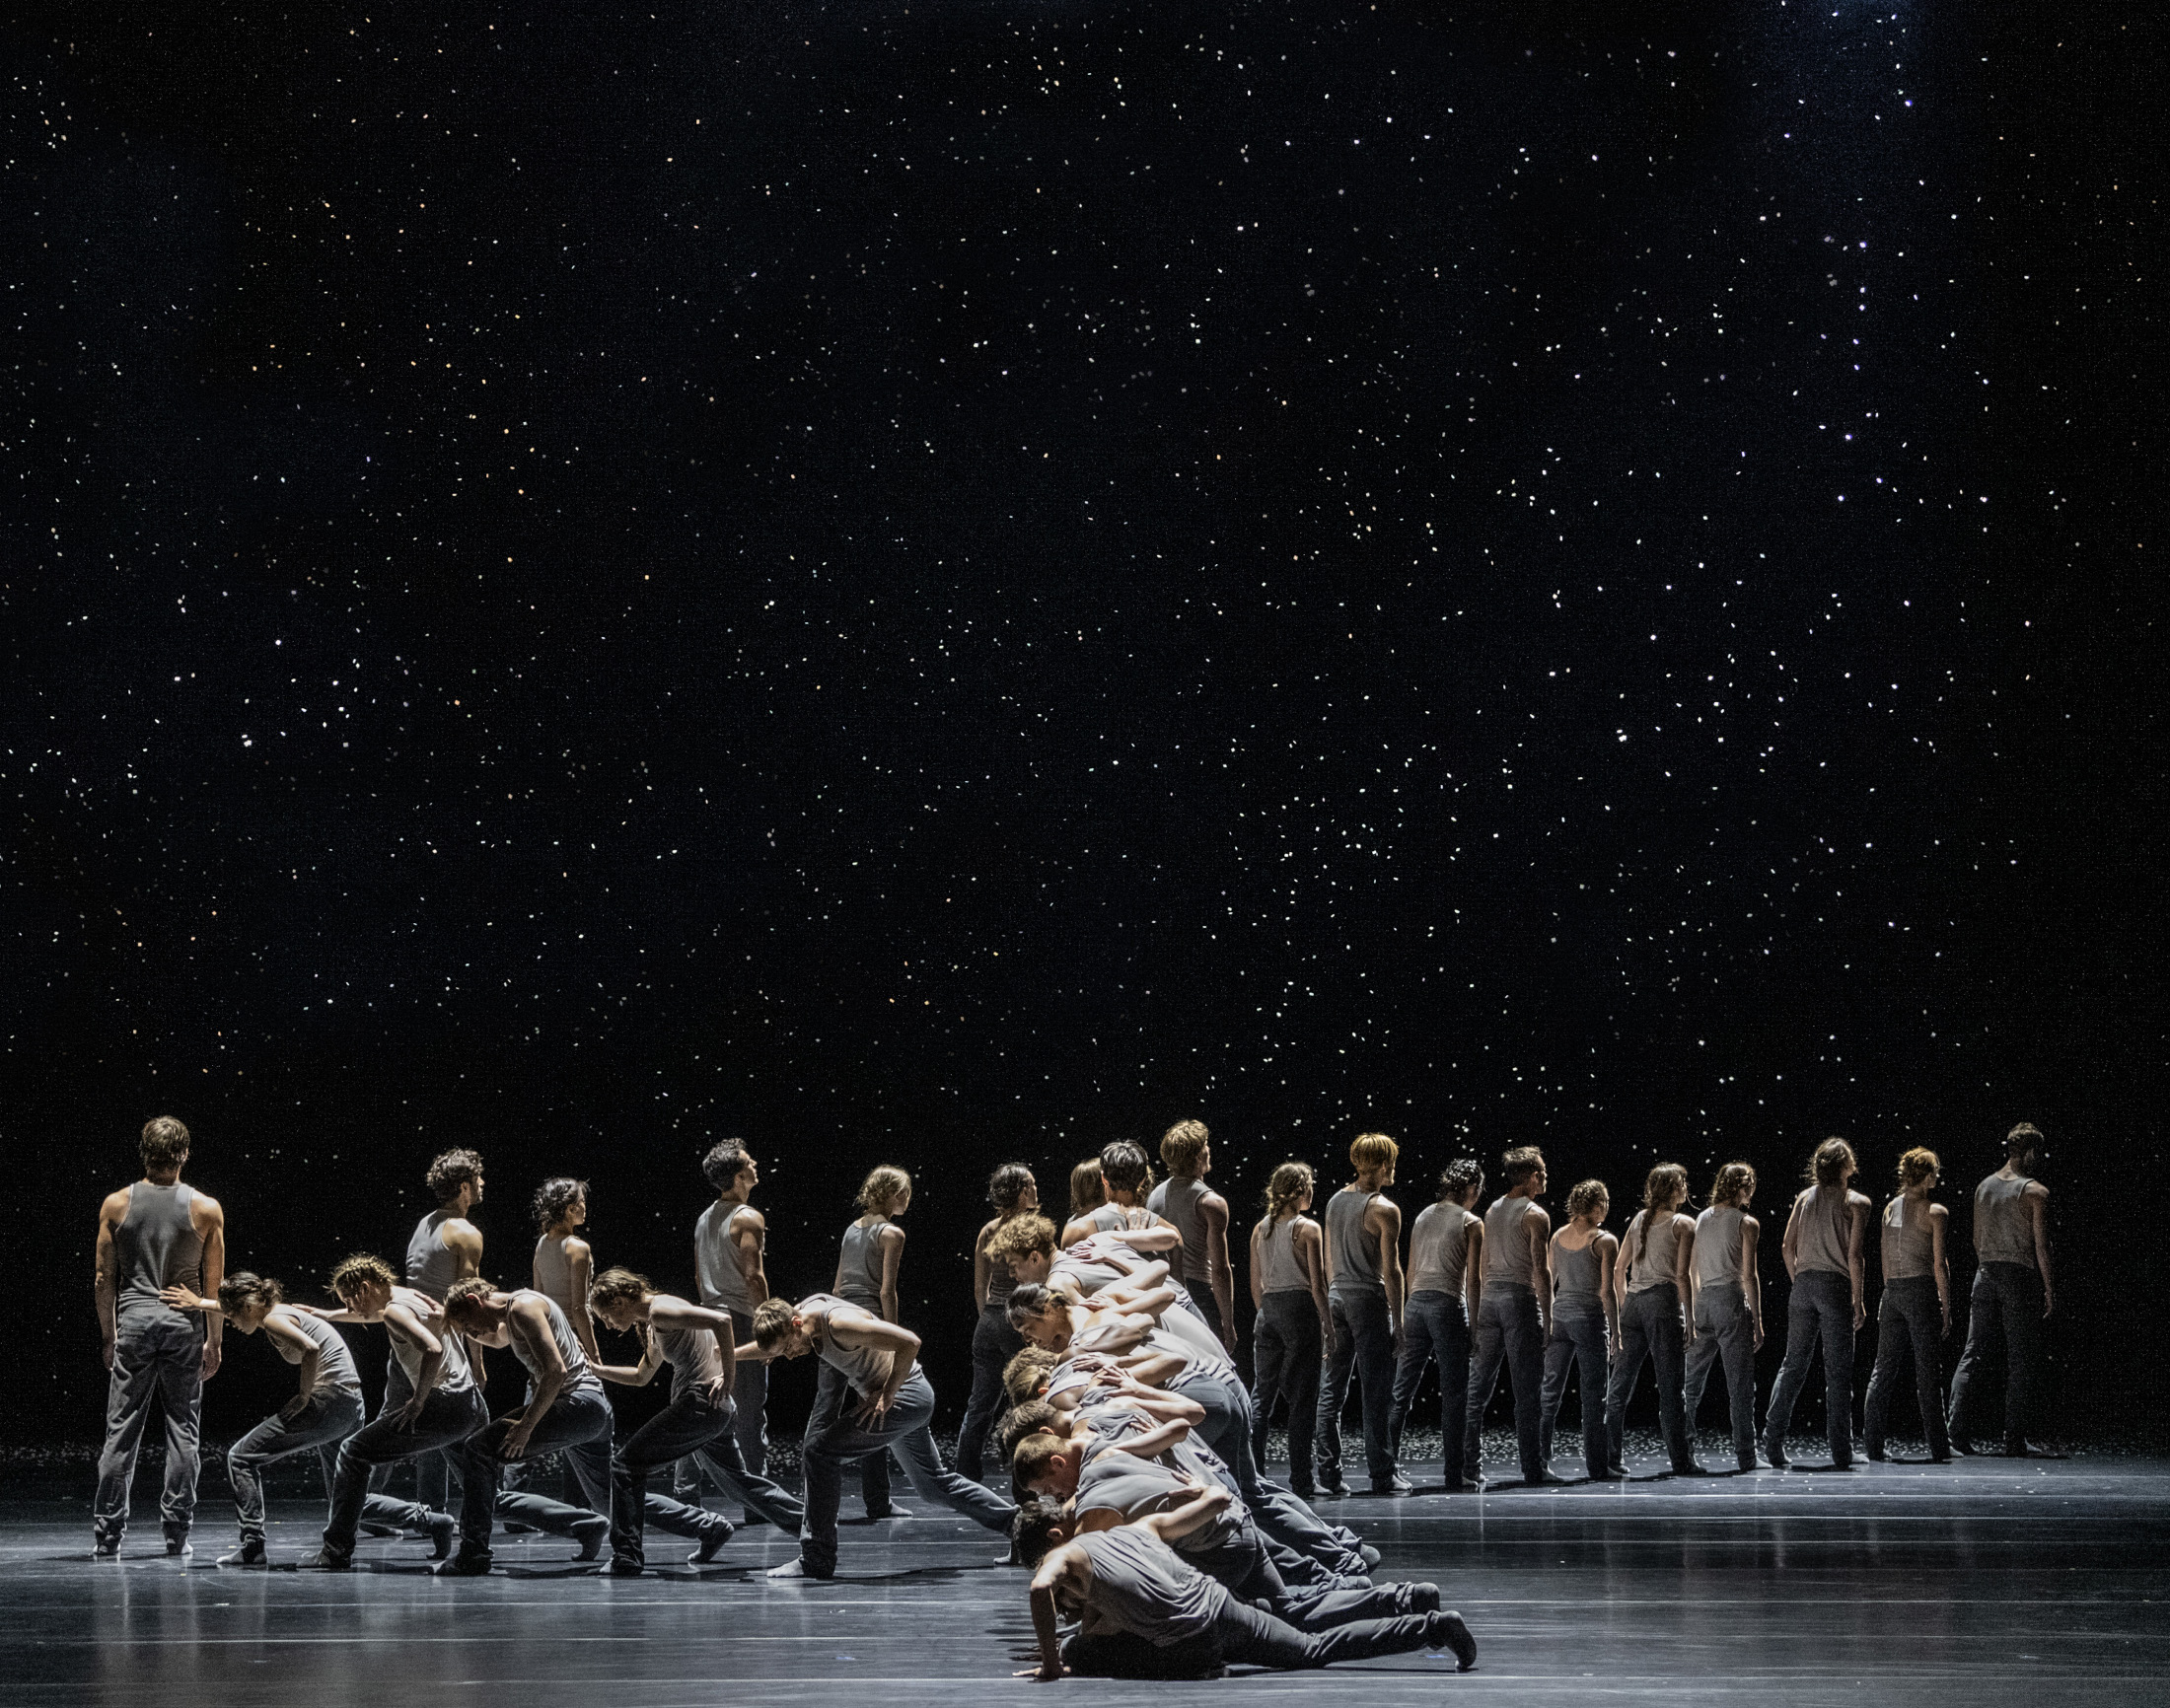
(1088, 1191)
(1027, 1374)
(1917, 1165)
(772, 1321)
(1021, 1237)
(1667, 1183)
(164, 1144)
(1587, 1195)
(1290, 1182)
(350, 1272)
(615, 1284)
(1832, 1161)
(1735, 1185)
(882, 1187)
(1182, 1145)
(1372, 1151)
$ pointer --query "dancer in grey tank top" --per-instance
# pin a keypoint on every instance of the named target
(155, 1235)
(1727, 1308)
(1200, 1217)
(446, 1247)
(731, 1265)
(1014, 1194)
(1650, 1276)
(2012, 1297)
(1513, 1307)
(1914, 1313)
(1822, 1255)
(1288, 1292)
(868, 1261)
(1364, 1293)
(1446, 1254)
(1585, 1322)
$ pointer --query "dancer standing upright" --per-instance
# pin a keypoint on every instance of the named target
(1914, 1314)
(1294, 1320)
(1013, 1192)
(730, 1263)
(1585, 1324)
(447, 1246)
(1200, 1215)
(1088, 1192)
(155, 1235)
(564, 1264)
(2013, 1290)
(1446, 1260)
(1822, 1255)
(1727, 1308)
(1512, 1316)
(868, 1262)
(1363, 1261)
(1651, 1276)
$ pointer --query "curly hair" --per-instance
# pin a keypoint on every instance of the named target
(1029, 1418)
(354, 1272)
(722, 1165)
(1006, 1186)
(451, 1169)
(1917, 1165)
(164, 1144)
(1832, 1163)
(1587, 1196)
(2024, 1138)
(243, 1289)
(1182, 1145)
(1463, 1179)
(1088, 1191)
(882, 1188)
(554, 1196)
(1735, 1185)
(1021, 1237)
(1032, 1532)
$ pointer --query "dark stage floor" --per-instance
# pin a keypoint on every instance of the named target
(1991, 1583)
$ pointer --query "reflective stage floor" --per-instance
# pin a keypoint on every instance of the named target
(1986, 1583)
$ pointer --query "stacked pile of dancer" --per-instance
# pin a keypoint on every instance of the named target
(1105, 1358)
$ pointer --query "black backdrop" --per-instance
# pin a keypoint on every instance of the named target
(941, 583)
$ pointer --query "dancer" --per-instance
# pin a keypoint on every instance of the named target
(563, 1261)
(431, 1404)
(1727, 1308)
(1014, 1194)
(1146, 1613)
(890, 1405)
(695, 1343)
(730, 1259)
(2012, 1289)
(1514, 1305)
(867, 1265)
(1651, 1276)
(446, 1247)
(1363, 1261)
(1088, 1192)
(1446, 1254)
(1126, 1176)
(1200, 1215)
(564, 1411)
(324, 1412)
(1585, 1324)
(1914, 1313)
(1822, 1255)
(155, 1235)
(1294, 1321)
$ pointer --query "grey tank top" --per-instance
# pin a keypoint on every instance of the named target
(1278, 1269)
(1821, 1241)
(1000, 1283)
(1352, 1253)
(715, 1260)
(691, 1355)
(2003, 1224)
(157, 1246)
(1142, 1586)
(866, 1369)
(454, 1377)
(1650, 1262)
(335, 1371)
(1112, 1216)
(1575, 1274)
(553, 1274)
(1177, 1198)
(578, 1376)
(1438, 1249)
(1718, 1245)
(1507, 1234)
(1112, 1479)
(432, 1266)
(859, 1268)
(1909, 1252)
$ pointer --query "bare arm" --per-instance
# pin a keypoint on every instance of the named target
(1063, 1569)
(1541, 1274)
(1160, 1237)
(211, 1221)
(1939, 1265)
(1473, 1268)
(106, 1279)
(680, 1314)
(579, 1271)
(1608, 1289)
(399, 1319)
(633, 1375)
(893, 1259)
(1258, 1271)
(530, 1324)
(982, 1267)
(1221, 1272)
(1620, 1282)
(749, 1242)
(1683, 1267)
(1789, 1247)
(1388, 1228)
(293, 1345)
(852, 1326)
(1857, 1230)
(1751, 1274)
(1151, 1443)
(1179, 1522)
(464, 1240)
(2039, 1198)
(1309, 1242)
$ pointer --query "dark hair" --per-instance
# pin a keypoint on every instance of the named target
(1463, 1175)
(461, 1296)
(2022, 1139)
(243, 1288)
(1007, 1186)
(1123, 1167)
(723, 1162)
(554, 1196)
(1665, 1183)
(449, 1170)
(1832, 1163)
(1031, 1537)
(1028, 1417)
(615, 1284)
(164, 1144)
(1519, 1164)
(1028, 1300)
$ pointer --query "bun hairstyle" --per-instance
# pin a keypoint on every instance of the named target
(1465, 1175)
(360, 1269)
(1029, 1301)
(1832, 1164)
(1587, 1196)
(554, 1196)
(1917, 1165)
(882, 1187)
(1088, 1191)
(1666, 1184)
(243, 1289)
(1735, 1185)
(1007, 1186)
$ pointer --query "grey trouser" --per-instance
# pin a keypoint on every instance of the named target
(327, 1420)
(994, 1344)
(1434, 1324)
(1363, 1344)
(1576, 1342)
(1821, 1308)
(1507, 1331)
(1908, 1320)
(2007, 1295)
(1243, 1636)
(1650, 1324)
(831, 1398)
(447, 1420)
(159, 1353)
(1725, 1333)
(1285, 1348)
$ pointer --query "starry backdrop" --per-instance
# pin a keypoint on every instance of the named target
(944, 582)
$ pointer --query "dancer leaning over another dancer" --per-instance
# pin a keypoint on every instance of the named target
(1128, 1582)
(1364, 1292)
(1513, 1308)
(155, 1235)
(1200, 1215)
(888, 1404)
(868, 1261)
(730, 1263)
(324, 1412)
(1446, 1255)
(1727, 1308)
(563, 1262)
(695, 1343)
(1822, 1255)
(1294, 1322)
(1088, 1192)
(1013, 1192)
(1914, 1313)
(1585, 1324)
(2012, 1289)
(430, 1406)
(1651, 1276)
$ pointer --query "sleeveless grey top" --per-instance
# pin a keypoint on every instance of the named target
(1278, 1269)
(1142, 1586)
(432, 1266)
(1650, 1263)
(866, 1369)
(1352, 1253)
(156, 1245)
(335, 1371)
(1177, 1198)
(1438, 1249)
(578, 1377)
(1718, 1245)
(2003, 1224)
(454, 1377)
(1909, 1252)
(691, 1355)
(1000, 1283)
(716, 1263)
(1822, 1243)
(1507, 1234)
(1113, 1479)
(859, 1269)
(553, 1274)
(1112, 1216)
(1090, 1274)
(1575, 1274)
